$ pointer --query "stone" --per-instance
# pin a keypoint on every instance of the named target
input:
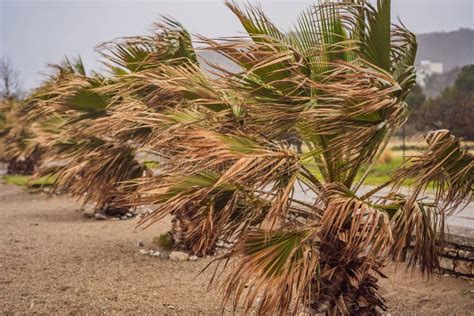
(155, 253)
(193, 258)
(100, 216)
(179, 256)
(129, 215)
(463, 267)
(446, 264)
(451, 252)
(144, 251)
(124, 217)
(466, 254)
(301, 220)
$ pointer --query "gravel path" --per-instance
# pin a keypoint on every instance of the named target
(55, 261)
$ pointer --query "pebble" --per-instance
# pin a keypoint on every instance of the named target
(144, 251)
(100, 216)
(88, 215)
(155, 253)
(179, 256)
(124, 217)
(129, 215)
(193, 258)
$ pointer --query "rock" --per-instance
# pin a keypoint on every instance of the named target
(144, 251)
(301, 220)
(193, 258)
(100, 216)
(129, 215)
(446, 264)
(116, 211)
(451, 252)
(88, 215)
(463, 267)
(140, 244)
(179, 256)
(143, 209)
(124, 217)
(466, 254)
(155, 254)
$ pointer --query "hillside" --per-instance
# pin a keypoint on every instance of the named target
(453, 49)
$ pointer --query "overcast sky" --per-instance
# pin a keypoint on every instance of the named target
(36, 32)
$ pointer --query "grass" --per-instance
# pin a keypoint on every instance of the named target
(28, 181)
(382, 171)
(164, 241)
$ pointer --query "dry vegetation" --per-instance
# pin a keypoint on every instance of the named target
(223, 170)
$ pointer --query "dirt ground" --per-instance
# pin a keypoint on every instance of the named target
(55, 261)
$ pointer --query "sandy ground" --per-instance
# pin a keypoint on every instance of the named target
(55, 261)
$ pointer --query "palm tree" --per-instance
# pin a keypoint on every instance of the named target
(338, 80)
(101, 159)
(61, 112)
(17, 147)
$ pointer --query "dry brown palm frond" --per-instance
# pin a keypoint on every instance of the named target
(169, 43)
(363, 228)
(95, 172)
(445, 167)
(237, 158)
(418, 223)
(211, 182)
(167, 86)
(276, 272)
(418, 231)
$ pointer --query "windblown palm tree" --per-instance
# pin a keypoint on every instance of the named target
(74, 106)
(338, 80)
(61, 112)
(17, 147)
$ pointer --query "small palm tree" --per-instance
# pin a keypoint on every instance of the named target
(61, 112)
(338, 80)
(74, 106)
(17, 147)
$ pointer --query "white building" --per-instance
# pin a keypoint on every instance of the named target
(426, 69)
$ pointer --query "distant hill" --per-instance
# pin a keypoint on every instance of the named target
(453, 49)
